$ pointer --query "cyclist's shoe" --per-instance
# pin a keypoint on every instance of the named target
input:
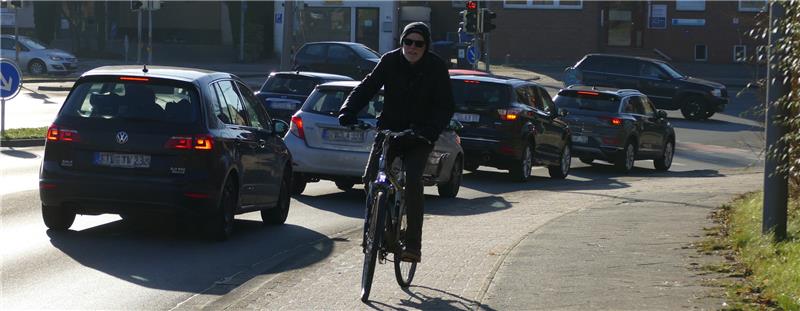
(411, 255)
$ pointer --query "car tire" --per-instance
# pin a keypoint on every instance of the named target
(278, 214)
(37, 67)
(625, 158)
(57, 218)
(587, 160)
(709, 113)
(522, 167)
(344, 185)
(665, 161)
(298, 184)
(694, 108)
(561, 170)
(220, 221)
(450, 188)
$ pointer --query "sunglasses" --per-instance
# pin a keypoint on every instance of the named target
(417, 43)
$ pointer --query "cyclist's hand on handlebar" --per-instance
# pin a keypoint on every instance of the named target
(426, 134)
(346, 119)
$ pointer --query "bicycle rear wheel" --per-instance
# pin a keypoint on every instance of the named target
(403, 270)
(372, 242)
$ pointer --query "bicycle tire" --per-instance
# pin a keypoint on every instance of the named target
(372, 243)
(403, 270)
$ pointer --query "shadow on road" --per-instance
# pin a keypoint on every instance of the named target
(18, 154)
(346, 203)
(154, 255)
(419, 300)
(714, 125)
(465, 207)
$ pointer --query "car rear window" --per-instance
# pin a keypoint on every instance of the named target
(470, 93)
(153, 100)
(329, 101)
(289, 84)
(593, 101)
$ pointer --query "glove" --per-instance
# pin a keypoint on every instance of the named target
(346, 119)
(427, 132)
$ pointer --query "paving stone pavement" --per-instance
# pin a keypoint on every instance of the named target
(477, 254)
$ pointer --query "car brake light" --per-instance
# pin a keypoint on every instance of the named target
(588, 93)
(612, 120)
(472, 82)
(197, 142)
(140, 79)
(297, 127)
(509, 114)
(54, 133)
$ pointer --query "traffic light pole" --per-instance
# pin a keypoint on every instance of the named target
(139, 40)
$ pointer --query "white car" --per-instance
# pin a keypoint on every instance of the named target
(37, 58)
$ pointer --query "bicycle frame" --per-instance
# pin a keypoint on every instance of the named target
(393, 184)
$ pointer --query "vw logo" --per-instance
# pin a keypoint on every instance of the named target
(122, 137)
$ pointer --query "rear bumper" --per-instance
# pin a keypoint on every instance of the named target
(491, 152)
(323, 161)
(595, 152)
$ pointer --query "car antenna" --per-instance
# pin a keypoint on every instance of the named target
(144, 68)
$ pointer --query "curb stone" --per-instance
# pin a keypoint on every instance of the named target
(31, 142)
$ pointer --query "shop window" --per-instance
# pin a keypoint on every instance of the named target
(326, 24)
(700, 52)
(620, 27)
(739, 53)
(690, 5)
(543, 4)
(752, 6)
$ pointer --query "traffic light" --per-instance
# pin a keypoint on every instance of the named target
(471, 17)
(137, 5)
(488, 25)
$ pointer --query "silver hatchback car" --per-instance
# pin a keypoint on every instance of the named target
(37, 58)
(323, 149)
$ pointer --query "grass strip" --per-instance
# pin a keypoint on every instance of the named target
(24, 133)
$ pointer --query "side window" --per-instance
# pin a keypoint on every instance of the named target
(338, 53)
(314, 50)
(258, 117)
(535, 100)
(649, 70)
(626, 66)
(592, 64)
(547, 102)
(8, 44)
(636, 105)
(220, 106)
(524, 96)
(628, 105)
(647, 107)
(234, 104)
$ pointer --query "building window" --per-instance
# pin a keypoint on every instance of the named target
(326, 24)
(739, 53)
(752, 6)
(700, 52)
(690, 5)
(544, 4)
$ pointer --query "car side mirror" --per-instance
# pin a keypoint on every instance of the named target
(279, 127)
(563, 113)
(661, 114)
(455, 125)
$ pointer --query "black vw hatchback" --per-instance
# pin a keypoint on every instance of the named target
(136, 140)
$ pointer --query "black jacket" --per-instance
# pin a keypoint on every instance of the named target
(418, 96)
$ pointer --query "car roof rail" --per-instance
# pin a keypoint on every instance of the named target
(628, 91)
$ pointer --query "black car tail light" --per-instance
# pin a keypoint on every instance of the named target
(511, 114)
(56, 133)
(196, 142)
(297, 127)
(612, 120)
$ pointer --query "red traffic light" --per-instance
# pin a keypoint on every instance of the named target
(472, 5)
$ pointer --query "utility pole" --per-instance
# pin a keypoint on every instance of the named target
(288, 35)
(150, 34)
(776, 185)
(16, 36)
(241, 30)
(139, 40)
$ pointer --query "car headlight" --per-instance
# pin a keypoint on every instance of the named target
(716, 92)
(56, 57)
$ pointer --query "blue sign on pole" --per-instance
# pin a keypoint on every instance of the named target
(10, 79)
(472, 55)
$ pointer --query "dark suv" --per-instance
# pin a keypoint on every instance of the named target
(339, 57)
(662, 83)
(131, 140)
(510, 124)
(618, 126)
(284, 92)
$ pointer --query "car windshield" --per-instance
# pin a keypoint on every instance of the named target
(470, 93)
(365, 52)
(289, 84)
(674, 73)
(590, 101)
(32, 44)
(329, 101)
(112, 98)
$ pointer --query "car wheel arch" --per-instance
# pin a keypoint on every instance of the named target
(36, 60)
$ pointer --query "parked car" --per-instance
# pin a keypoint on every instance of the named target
(338, 57)
(510, 124)
(131, 140)
(618, 126)
(36, 57)
(322, 149)
(284, 92)
(661, 82)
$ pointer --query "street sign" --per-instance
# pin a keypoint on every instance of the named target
(472, 55)
(11, 79)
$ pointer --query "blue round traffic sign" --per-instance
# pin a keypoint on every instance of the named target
(472, 55)
(10, 79)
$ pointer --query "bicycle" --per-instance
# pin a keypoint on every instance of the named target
(386, 223)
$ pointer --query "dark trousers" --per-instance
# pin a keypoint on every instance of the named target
(415, 156)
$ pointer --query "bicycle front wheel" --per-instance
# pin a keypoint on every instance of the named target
(403, 270)
(372, 242)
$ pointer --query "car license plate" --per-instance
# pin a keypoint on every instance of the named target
(580, 139)
(122, 160)
(345, 136)
(466, 117)
(282, 105)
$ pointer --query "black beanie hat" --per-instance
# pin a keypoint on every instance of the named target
(420, 28)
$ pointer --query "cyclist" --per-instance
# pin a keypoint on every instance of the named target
(417, 96)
